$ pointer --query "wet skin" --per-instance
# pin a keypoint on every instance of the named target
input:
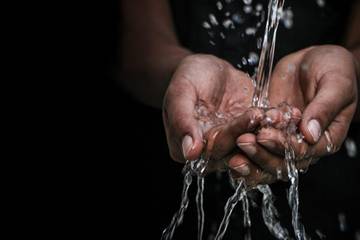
(241, 139)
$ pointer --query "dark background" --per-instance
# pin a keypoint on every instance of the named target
(135, 187)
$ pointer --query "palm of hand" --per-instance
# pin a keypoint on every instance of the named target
(205, 93)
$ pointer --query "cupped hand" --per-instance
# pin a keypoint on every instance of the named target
(206, 107)
(321, 82)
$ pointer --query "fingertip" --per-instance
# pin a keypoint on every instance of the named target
(192, 145)
(239, 166)
(247, 138)
(296, 113)
(195, 151)
(311, 130)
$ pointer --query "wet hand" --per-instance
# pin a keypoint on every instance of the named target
(207, 93)
(321, 82)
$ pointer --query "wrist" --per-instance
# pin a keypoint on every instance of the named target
(146, 72)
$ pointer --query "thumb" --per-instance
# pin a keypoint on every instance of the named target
(184, 135)
(332, 95)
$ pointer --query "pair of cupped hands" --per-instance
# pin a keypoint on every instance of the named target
(207, 112)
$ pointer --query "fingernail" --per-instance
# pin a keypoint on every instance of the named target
(314, 129)
(243, 169)
(187, 145)
(248, 148)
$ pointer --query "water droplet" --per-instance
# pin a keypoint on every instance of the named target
(250, 31)
(278, 173)
(357, 235)
(237, 18)
(330, 146)
(320, 234)
(287, 18)
(299, 138)
(247, 2)
(219, 5)
(206, 25)
(219, 115)
(268, 120)
(253, 58)
(244, 61)
(213, 20)
(222, 35)
(248, 9)
(239, 65)
(287, 116)
(212, 42)
(259, 43)
(228, 23)
(321, 3)
(351, 147)
(227, 14)
(211, 34)
(259, 7)
(342, 222)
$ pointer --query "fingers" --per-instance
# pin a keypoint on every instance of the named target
(275, 141)
(184, 136)
(269, 162)
(335, 134)
(241, 167)
(334, 93)
(222, 139)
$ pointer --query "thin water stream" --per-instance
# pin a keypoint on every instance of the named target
(228, 209)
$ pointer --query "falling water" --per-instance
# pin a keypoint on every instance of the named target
(200, 206)
(247, 220)
(267, 54)
(260, 99)
(190, 169)
(179, 215)
(270, 214)
(293, 194)
(228, 209)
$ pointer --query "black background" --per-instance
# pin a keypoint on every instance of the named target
(126, 181)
